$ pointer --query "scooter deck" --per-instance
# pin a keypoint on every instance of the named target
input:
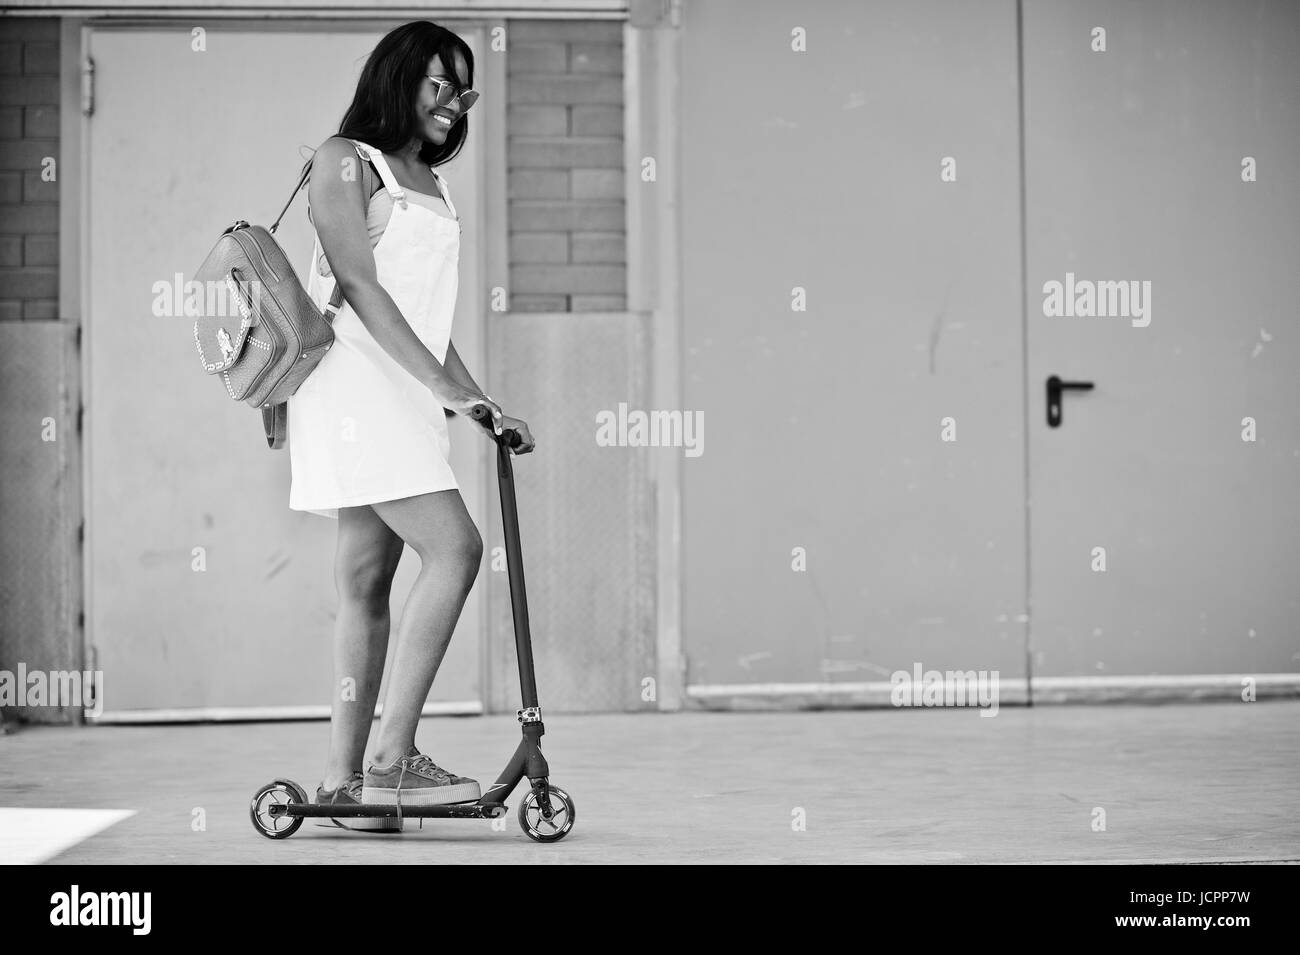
(455, 810)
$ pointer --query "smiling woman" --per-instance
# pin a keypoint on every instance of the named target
(368, 436)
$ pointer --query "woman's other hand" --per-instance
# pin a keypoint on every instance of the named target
(526, 443)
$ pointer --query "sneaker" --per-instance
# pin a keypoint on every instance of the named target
(349, 794)
(416, 780)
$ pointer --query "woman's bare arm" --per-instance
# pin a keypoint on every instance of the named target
(338, 212)
(456, 368)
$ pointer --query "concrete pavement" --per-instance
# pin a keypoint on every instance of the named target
(1209, 782)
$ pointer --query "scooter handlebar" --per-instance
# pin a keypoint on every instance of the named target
(509, 436)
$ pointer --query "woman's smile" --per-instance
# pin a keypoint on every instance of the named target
(438, 125)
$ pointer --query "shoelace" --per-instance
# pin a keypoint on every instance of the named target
(354, 785)
(423, 764)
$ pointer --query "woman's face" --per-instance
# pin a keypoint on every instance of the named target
(434, 122)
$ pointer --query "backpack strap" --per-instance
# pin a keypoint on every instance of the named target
(302, 180)
(275, 422)
(367, 178)
(275, 418)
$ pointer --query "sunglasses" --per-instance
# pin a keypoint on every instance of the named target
(447, 92)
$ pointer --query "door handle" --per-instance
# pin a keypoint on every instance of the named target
(1054, 388)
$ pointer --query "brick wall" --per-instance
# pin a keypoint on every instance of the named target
(29, 133)
(565, 166)
(39, 480)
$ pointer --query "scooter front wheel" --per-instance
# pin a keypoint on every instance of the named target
(535, 823)
(281, 792)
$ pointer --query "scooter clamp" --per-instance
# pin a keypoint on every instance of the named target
(529, 714)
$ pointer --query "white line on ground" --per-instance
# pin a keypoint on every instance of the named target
(28, 836)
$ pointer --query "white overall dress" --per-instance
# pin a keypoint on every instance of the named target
(361, 428)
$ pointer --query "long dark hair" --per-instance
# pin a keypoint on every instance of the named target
(382, 110)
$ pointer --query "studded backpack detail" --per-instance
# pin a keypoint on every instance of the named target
(258, 328)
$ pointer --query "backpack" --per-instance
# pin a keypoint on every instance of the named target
(258, 328)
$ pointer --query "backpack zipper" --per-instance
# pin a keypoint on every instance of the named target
(260, 254)
(299, 350)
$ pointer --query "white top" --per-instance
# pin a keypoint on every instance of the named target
(380, 212)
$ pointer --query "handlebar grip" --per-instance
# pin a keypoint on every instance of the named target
(483, 416)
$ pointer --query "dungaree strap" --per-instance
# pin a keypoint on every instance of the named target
(446, 194)
(390, 181)
(386, 174)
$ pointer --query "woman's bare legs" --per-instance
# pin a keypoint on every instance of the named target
(439, 529)
(367, 556)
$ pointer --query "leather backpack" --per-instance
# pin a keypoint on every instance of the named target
(258, 328)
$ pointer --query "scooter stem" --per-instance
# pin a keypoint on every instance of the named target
(508, 439)
(515, 570)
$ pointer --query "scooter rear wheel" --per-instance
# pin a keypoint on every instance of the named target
(280, 792)
(540, 829)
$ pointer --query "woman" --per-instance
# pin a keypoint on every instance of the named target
(367, 430)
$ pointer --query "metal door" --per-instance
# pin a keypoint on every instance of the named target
(1162, 541)
(853, 340)
(207, 595)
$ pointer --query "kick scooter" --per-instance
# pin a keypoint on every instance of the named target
(546, 813)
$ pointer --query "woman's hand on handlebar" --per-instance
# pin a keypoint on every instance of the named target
(526, 440)
(461, 400)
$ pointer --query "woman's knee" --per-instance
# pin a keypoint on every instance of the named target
(465, 551)
(365, 580)
(458, 551)
(440, 531)
(473, 548)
